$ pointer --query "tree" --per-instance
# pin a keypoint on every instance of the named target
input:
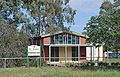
(12, 42)
(105, 28)
(44, 12)
(47, 14)
(53, 29)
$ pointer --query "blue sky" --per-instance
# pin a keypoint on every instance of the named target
(85, 9)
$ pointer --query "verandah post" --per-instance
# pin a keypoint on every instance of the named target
(49, 54)
(65, 54)
(91, 53)
(98, 53)
(41, 44)
(78, 54)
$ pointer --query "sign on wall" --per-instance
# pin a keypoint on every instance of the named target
(33, 50)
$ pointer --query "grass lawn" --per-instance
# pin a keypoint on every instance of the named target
(55, 72)
(113, 60)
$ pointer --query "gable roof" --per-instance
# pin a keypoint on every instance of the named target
(69, 32)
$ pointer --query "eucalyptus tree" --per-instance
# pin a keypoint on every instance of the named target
(46, 13)
(49, 13)
(12, 42)
(105, 28)
(43, 14)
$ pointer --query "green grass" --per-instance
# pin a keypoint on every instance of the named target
(55, 72)
(113, 60)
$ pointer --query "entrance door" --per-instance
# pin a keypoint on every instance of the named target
(55, 54)
(74, 54)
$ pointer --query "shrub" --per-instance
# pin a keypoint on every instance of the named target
(34, 62)
(103, 64)
(84, 64)
(69, 64)
(87, 64)
(76, 65)
(91, 63)
(115, 64)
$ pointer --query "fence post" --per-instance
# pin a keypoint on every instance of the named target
(5, 63)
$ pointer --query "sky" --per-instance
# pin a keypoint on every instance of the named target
(85, 9)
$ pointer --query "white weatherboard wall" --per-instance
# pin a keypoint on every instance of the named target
(33, 50)
(94, 52)
(101, 53)
(88, 53)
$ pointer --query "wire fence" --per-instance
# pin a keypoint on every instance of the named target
(41, 61)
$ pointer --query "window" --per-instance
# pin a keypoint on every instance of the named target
(69, 39)
(55, 54)
(77, 40)
(52, 39)
(73, 39)
(64, 39)
(74, 54)
(56, 39)
(60, 39)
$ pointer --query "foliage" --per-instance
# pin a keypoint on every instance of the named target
(105, 28)
(115, 64)
(46, 13)
(72, 65)
(87, 64)
(69, 64)
(91, 66)
(12, 42)
(103, 64)
(34, 62)
(53, 29)
(82, 64)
